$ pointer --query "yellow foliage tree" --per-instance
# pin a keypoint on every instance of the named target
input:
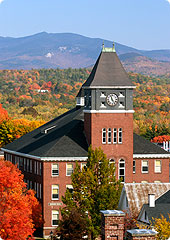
(162, 226)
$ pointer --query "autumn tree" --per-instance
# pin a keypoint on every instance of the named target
(162, 226)
(73, 225)
(3, 114)
(17, 205)
(95, 189)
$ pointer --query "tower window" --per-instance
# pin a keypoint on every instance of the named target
(120, 135)
(109, 135)
(104, 135)
(114, 135)
(122, 170)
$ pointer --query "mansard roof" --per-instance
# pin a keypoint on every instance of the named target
(64, 137)
(108, 72)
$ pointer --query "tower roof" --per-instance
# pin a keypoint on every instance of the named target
(108, 72)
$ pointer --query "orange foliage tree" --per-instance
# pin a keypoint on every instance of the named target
(3, 114)
(161, 139)
(17, 205)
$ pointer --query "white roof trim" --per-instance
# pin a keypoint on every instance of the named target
(45, 158)
(151, 155)
(120, 87)
(108, 111)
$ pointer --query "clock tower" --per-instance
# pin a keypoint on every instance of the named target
(108, 112)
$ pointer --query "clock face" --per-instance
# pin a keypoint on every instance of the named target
(112, 99)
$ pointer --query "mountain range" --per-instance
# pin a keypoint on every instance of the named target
(64, 50)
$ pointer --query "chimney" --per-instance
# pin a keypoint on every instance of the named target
(112, 224)
(141, 234)
(151, 200)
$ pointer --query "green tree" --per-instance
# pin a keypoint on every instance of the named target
(95, 188)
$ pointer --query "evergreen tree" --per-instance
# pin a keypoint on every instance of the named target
(95, 188)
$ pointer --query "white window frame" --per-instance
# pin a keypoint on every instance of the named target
(54, 217)
(122, 161)
(103, 135)
(114, 135)
(142, 165)
(53, 174)
(67, 170)
(120, 136)
(158, 169)
(54, 188)
(109, 135)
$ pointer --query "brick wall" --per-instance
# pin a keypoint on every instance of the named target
(93, 124)
(151, 176)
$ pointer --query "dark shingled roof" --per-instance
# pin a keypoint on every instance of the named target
(108, 71)
(157, 211)
(143, 146)
(165, 198)
(65, 138)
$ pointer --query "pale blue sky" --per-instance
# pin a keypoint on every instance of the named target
(144, 24)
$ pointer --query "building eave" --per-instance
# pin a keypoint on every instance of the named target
(151, 156)
(108, 87)
(45, 158)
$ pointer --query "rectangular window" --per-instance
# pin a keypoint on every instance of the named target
(114, 135)
(25, 164)
(55, 170)
(157, 166)
(21, 161)
(109, 136)
(120, 135)
(104, 135)
(30, 166)
(40, 191)
(144, 166)
(83, 165)
(69, 169)
(31, 184)
(55, 217)
(134, 166)
(55, 192)
(35, 167)
(122, 170)
(40, 168)
(70, 188)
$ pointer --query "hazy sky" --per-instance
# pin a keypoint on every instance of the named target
(144, 24)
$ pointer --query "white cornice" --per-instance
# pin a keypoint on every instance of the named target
(151, 155)
(45, 158)
(108, 111)
(109, 87)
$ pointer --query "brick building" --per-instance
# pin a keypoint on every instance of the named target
(103, 117)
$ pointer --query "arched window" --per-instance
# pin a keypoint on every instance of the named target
(122, 170)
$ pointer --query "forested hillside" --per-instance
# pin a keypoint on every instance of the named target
(46, 93)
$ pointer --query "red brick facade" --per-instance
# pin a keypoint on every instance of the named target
(151, 175)
(95, 122)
